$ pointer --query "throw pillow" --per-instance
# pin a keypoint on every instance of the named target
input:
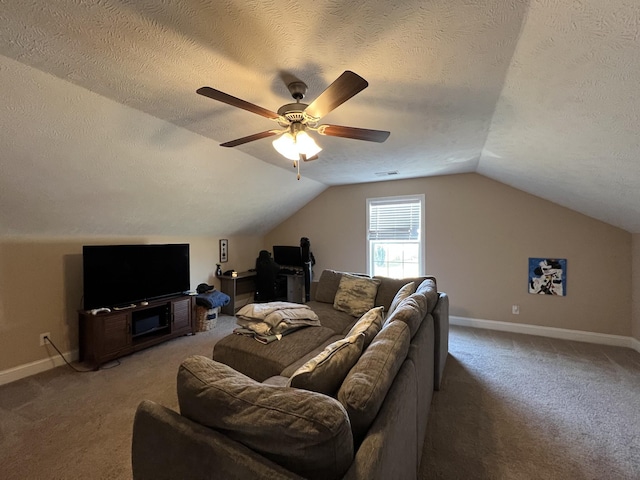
(411, 311)
(356, 295)
(365, 387)
(370, 324)
(303, 431)
(403, 293)
(325, 372)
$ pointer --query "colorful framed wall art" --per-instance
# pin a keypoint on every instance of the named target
(548, 276)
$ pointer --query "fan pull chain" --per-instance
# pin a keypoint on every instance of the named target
(296, 164)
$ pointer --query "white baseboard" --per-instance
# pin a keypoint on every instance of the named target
(552, 332)
(23, 371)
(28, 369)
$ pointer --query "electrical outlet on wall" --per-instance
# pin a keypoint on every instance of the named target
(44, 341)
(515, 309)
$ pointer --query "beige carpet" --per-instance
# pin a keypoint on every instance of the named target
(66, 425)
(525, 407)
(512, 407)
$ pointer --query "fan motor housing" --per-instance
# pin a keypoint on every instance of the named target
(293, 111)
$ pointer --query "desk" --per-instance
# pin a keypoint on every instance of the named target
(295, 287)
(244, 283)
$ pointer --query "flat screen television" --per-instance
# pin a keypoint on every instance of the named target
(117, 275)
(287, 256)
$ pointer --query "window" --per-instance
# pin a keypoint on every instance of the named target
(395, 236)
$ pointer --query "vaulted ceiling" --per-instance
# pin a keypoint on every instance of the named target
(103, 134)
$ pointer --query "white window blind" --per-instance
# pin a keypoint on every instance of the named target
(395, 238)
(396, 219)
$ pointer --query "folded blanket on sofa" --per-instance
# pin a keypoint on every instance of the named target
(265, 339)
(212, 299)
(275, 317)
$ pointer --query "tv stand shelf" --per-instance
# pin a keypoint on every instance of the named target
(108, 336)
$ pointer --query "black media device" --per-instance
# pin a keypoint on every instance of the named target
(287, 256)
(118, 275)
(149, 319)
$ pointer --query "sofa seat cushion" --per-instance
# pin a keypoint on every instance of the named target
(356, 295)
(287, 372)
(365, 387)
(331, 318)
(259, 361)
(306, 432)
(325, 372)
(411, 311)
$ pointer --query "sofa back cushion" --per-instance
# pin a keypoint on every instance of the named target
(403, 293)
(356, 295)
(411, 311)
(390, 286)
(365, 387)
(325, 372)
(430, 290)
(306, 432)
(328, 286)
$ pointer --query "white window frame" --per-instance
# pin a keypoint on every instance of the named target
(418, 198)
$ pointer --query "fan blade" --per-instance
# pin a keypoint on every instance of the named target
(342, 89)
(310, 159)
(250, 138)
(352, 132)
(236, 102)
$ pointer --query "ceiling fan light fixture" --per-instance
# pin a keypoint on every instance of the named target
(285, 145)
(293, 147)
(306, 145)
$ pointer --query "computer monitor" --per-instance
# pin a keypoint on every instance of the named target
(287, 256)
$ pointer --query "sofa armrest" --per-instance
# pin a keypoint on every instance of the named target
(167, 446)
(441, 328)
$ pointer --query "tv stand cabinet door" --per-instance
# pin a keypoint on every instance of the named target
(104, 337)
(181, 314)
(116, 336)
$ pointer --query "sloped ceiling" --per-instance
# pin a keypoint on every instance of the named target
(102, 131)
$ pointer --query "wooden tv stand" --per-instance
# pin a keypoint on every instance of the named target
(107, 336)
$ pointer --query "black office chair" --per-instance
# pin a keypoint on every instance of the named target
(268, 286)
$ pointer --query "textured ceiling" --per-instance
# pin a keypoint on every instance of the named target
(103, 133)
(566, 126)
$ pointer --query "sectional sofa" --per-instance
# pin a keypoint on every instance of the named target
(347, 399)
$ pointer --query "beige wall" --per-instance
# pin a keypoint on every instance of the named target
(41, 287)
(635, 284)
(480, 234)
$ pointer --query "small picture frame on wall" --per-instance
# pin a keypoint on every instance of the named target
(548, 276)
(224, 250)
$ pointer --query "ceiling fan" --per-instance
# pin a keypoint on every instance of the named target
(296, 118)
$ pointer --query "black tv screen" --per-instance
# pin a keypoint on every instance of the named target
(117, 275)
(287, 256)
